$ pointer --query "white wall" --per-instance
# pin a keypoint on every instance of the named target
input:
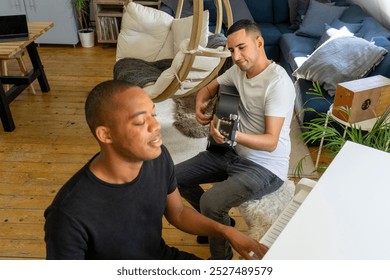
(380, 9)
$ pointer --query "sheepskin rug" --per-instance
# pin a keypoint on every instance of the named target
(260, 214)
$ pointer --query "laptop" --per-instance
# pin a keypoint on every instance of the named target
(13, 28)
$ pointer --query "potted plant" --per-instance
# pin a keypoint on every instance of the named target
(335, 134)
(86, 33)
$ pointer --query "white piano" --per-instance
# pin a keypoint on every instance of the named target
(345, 216)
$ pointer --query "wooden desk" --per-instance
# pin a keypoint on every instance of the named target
(345, 216)
(9, 50)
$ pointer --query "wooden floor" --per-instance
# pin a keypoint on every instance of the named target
(51, 142)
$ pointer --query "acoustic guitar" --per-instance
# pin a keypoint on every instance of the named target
(225, 118)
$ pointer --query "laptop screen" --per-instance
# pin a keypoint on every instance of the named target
(13, 27)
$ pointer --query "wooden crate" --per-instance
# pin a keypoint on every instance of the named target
(365, 99)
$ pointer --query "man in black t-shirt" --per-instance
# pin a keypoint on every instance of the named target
(112, 208)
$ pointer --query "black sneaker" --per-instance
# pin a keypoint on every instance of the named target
(205, 240)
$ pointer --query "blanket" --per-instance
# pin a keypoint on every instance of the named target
(138, 71)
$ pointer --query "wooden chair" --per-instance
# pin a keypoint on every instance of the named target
(4, 68)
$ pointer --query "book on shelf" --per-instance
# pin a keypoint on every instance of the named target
(116, 27)
(102, 30)
(109, 28)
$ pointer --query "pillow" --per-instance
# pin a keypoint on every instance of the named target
(354, 14)
(239, 10)
(167, 49)
(340, 60)
(317, 15)
(143, 32)
(352, 27)
(372, 28)
(337, 29)
(298, 9)
(332, 33)
(182, 29)
(381, 41)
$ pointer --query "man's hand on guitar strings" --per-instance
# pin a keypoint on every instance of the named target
(201, 115)
(217, 136)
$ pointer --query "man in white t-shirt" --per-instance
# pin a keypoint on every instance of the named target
(258, 164)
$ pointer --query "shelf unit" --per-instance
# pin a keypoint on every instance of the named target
(108, 16)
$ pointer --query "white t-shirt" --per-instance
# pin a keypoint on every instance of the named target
(270, 93)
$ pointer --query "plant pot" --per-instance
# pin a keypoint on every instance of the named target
(87, 37)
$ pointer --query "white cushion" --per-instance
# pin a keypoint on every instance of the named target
(144, 31)
(166, 77)
(202, 66)
(182, 29)
(167, 49)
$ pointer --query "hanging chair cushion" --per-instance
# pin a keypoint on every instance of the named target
(182, 29)
(150, 34)
(201, 69)
(143, 33)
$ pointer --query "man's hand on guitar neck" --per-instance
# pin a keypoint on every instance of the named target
(201, 116)
(203, 98)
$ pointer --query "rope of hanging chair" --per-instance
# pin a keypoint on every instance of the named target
(179, 81)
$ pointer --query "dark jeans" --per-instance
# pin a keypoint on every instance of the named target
(239, 180)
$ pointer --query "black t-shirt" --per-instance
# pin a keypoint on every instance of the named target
(91, 219)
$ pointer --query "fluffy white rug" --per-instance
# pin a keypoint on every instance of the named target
(260, 214)
(180, 146)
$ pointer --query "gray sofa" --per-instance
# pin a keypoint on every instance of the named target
(295, 49)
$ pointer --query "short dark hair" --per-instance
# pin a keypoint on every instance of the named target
(246, 24)
(99, 101)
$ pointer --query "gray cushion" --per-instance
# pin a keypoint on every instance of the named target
(340, 60)
(354, 14)
(337, 29)
(381, 41)
(298, 9)
(372, 28)
(332, 33)
(352, 27)
(317, 15)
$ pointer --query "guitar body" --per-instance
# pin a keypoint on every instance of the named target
(225, 118)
